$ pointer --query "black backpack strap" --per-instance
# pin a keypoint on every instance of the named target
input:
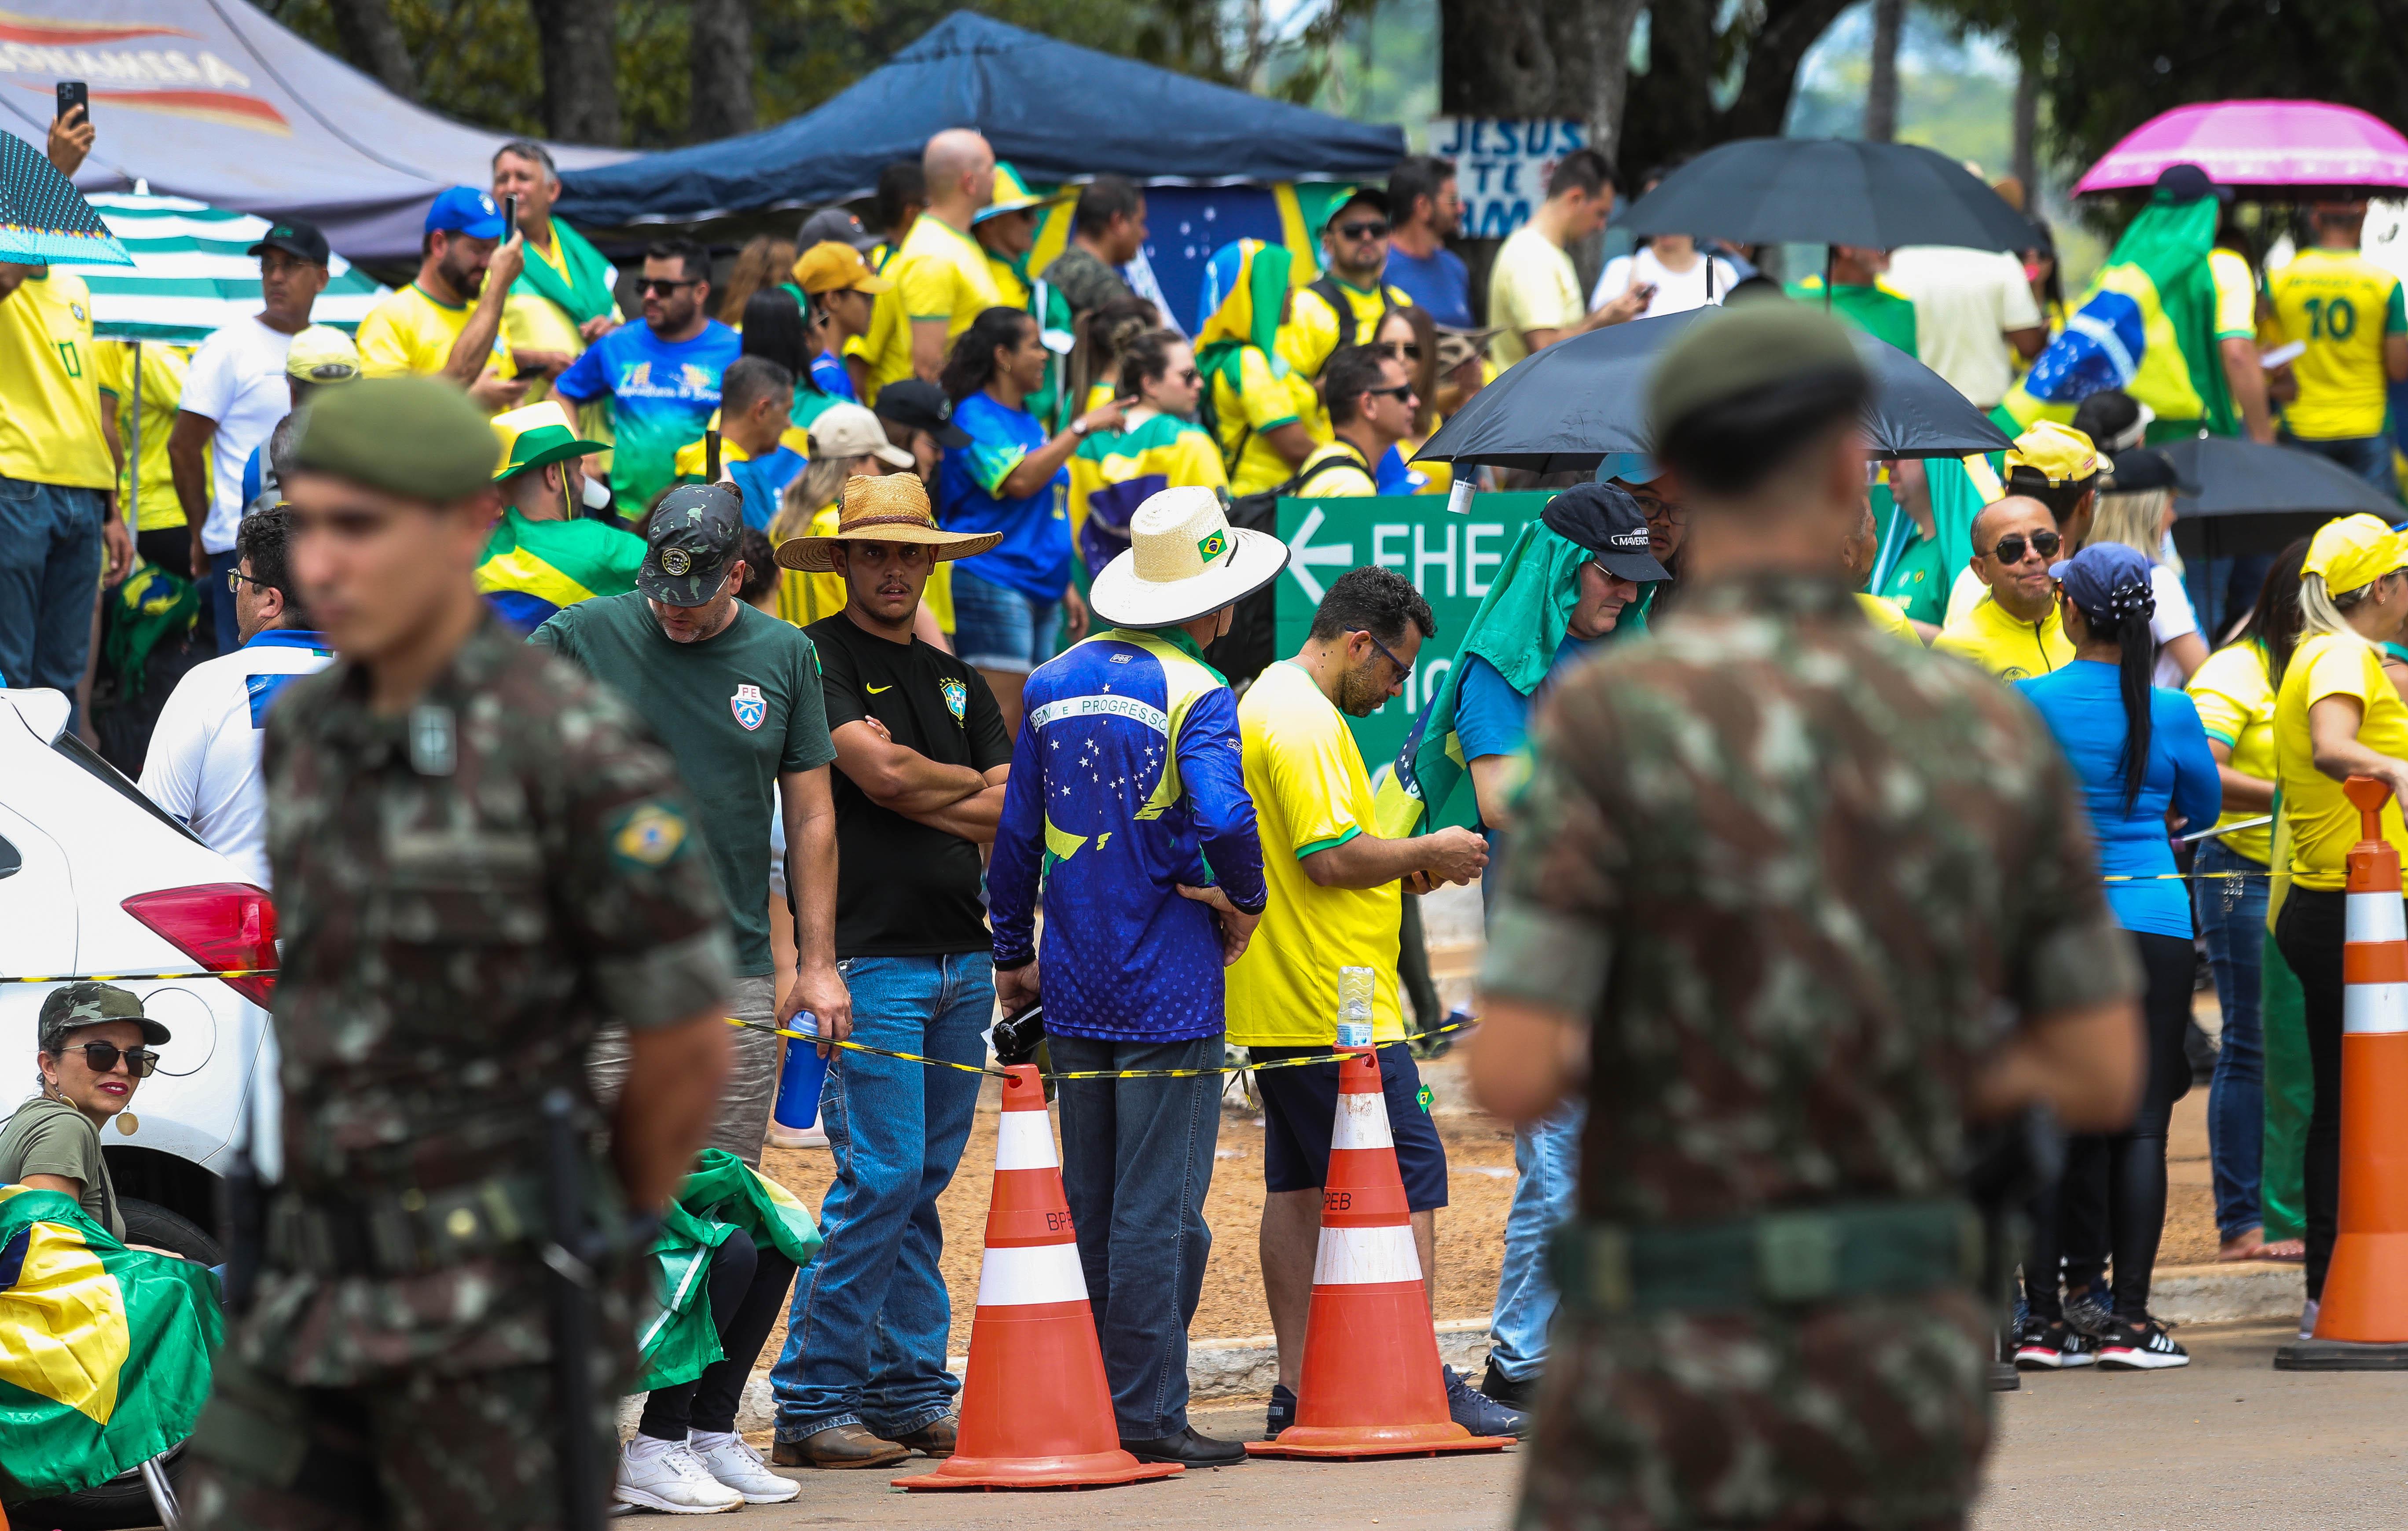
(1299, 486)
(1326, 286)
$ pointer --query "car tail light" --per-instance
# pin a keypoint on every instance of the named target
(226, 927)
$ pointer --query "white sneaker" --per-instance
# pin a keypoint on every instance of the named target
(2308, 1320)
(666, 1477)
(738, 1467)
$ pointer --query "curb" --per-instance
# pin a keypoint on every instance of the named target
(2240, 1292)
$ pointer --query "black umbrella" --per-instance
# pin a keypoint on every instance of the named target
(2256, 499)
(1565, 409)
(1830, 192)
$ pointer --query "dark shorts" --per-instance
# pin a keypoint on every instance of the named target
(1300, 1107)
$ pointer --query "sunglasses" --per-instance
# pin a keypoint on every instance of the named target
(661, 287)
(235, 579)
(2010, 549)
(1400, 350)
(1376, 229)
(1402, 668)
(1402, 393)
(101, 1058)
(1191, 375)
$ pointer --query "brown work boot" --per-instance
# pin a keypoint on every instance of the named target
(934, 1438)
(838, 1446)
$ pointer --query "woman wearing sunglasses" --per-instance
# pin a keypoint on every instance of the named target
(1160, 446)
(94, 1050)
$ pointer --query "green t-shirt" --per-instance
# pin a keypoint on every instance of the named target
(1920, 581)
(1880, 310)
(737, 711)
(50, 1137)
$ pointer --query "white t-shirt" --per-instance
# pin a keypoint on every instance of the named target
(203, 767)
(2174, 617)
(237, 380)
(1676, 292)
(1965, 303)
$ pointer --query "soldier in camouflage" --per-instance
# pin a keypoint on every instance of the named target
(1794, 903)
(480, 857)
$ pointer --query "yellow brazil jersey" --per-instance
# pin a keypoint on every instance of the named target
(164, 368)
(1312, 331)
(939, 273)
(1334, 472)
(1114, 472)
(2322, 823)
(1311, 792)
(2236, 294)
(413, 331)
(50, 393)
(1267, 393)
(2008, 648)
(2340, 306)
(2236, 705)
(1887, 618)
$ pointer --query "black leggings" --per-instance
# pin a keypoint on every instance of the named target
(2311, 932)
(2130, 1165)
(748, 1286)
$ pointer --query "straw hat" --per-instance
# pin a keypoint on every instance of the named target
(1184, 559)
(890, 509)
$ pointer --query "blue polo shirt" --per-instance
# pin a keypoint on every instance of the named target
(1034, 557)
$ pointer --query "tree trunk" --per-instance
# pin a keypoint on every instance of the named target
(1881, 92)
(580, 68)
(1500, 58)
(1609, 24)
(372, 43)
(2027, 152)
(720, 51)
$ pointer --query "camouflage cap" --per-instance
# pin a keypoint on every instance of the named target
(87, 1004)
(405, 436)
(695, 531)
(1742, 350)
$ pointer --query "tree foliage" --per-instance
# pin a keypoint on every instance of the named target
(2106, 68)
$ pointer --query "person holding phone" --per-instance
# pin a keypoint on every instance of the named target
(71, 135)
(1670, 275)
(561, 301)
(448, 322)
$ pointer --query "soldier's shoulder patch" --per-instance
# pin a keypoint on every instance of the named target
(648, 835)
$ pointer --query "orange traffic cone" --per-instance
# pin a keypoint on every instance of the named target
(1037, 1411)
(2362, 1322)
(1371, 1384)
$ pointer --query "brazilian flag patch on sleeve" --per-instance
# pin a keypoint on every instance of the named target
(648, 835)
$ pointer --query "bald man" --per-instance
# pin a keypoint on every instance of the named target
(2015, 631)
(941, 275)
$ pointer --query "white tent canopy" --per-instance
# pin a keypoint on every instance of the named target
(192, 273)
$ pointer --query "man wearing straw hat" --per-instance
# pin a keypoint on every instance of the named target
(1126, 793)
(920, 756)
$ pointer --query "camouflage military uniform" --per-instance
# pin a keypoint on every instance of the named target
(467, 893)
(1798, 878)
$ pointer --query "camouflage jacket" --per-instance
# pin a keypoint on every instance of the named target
(1797, 876)
(466, 893)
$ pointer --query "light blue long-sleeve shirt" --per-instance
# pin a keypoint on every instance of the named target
(1126, 783)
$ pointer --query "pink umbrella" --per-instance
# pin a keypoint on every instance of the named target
(2259, 145)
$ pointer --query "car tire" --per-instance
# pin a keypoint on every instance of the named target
(123, 1501)
(148, 1222)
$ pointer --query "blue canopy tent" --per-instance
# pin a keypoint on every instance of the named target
(1213, 157)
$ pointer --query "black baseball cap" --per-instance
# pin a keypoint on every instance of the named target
(695, 531)
(2188, 184)
(2145, 468)
(298, 238)
(1372, 197)
(923, 407)
(838, 223)
(1606, 520)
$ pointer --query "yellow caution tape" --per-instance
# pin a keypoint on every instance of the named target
(1073, 1074)
(134, 978)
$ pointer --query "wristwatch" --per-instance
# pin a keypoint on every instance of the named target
(1079, 428)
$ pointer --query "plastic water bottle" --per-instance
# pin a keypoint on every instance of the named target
(800, 1076)
(1353, 1006)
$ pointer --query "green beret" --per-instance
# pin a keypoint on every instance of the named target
(408, 436)
(1742, 349)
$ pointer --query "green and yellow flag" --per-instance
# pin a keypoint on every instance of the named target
(104, 1351)
(723, 1194)
(532, 568)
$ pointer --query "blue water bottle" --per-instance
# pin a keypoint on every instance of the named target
(801, 1077)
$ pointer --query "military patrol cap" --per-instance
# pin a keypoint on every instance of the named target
(406, 436)
(1742, 351)
(695, 531)
(87, 1004)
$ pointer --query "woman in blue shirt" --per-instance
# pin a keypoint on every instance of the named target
(2139, 753)
(1011, 479)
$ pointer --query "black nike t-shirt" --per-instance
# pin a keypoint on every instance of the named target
(905, 889)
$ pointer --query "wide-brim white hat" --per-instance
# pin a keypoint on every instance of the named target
(1183, 560)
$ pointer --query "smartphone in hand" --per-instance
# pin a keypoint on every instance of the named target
(509, 217)
(74, 94)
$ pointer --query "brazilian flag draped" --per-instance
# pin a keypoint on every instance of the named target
(532, 568)
(724, 1193)
(104, 1351)
(2148, 326)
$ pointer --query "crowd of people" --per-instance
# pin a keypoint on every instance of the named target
(895, 568)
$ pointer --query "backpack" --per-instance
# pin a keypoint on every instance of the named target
(1349, 327)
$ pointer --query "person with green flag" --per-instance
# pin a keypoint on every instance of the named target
(1255, 405)
(545, 554)
(561, 301)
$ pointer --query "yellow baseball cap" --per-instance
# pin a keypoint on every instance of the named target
(2059, 453)
(321, 354)
(832, 266)
(2355, 551)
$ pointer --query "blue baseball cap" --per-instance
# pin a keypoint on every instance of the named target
(1630, 467)
(2108, 580)
(466, 209)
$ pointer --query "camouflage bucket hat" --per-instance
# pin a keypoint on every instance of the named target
(695, 533)
(87, 1004)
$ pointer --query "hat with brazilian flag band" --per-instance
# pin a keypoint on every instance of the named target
(2354, 552)
(1011, 195)
(537, 435)
(1184, 559)
(2059, 453)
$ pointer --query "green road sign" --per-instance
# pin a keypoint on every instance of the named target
(1451, 560)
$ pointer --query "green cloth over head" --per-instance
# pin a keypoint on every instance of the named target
(153, 603)
(1250, 315)
(412, 436)
(586, 295)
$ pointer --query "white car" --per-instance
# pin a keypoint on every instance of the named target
(95, 880)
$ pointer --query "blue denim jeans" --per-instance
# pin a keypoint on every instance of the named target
(2232, 920)
(866, 1333)
(49, 577)
(1547, 1157)
(1137, 1161)
(996, 627)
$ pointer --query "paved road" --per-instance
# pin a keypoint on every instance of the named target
(2226, 1442)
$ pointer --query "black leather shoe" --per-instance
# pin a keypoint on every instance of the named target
(1519, 1396)
(1187, 1448)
